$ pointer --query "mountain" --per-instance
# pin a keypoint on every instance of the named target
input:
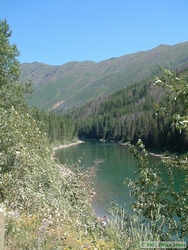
(74, 83)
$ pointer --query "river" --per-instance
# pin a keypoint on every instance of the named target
(118, 164)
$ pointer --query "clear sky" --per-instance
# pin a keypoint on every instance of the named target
(60, 31)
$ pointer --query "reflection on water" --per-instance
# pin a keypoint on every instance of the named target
(118, 164)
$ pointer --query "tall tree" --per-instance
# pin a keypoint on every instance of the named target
(12, 92)
(9, 64)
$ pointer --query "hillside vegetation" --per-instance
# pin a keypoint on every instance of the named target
(47, 205)
(130, 114)
(75, 83)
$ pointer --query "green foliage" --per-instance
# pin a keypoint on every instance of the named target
(158, 200)
(57, 127)
(12, 93)
(177, 93)
(9, 65)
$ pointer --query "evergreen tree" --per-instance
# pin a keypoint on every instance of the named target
(9, 65)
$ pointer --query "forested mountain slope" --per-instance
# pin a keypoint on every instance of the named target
(74, 83)
(131, 114)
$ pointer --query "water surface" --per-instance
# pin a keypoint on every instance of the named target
(118, 164)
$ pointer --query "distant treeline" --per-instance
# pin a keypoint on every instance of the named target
(57, 127)
(127, 115)
(130, 114)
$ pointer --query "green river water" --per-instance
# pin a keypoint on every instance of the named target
(118, 164)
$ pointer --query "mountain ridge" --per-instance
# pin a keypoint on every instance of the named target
(74, 83)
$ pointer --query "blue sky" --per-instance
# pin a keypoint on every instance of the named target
(59, 31)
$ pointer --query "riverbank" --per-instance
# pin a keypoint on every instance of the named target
(161, 156)
(68, 145)
(157, 155)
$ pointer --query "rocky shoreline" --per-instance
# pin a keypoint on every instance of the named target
(159, 156)
(67, 145)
